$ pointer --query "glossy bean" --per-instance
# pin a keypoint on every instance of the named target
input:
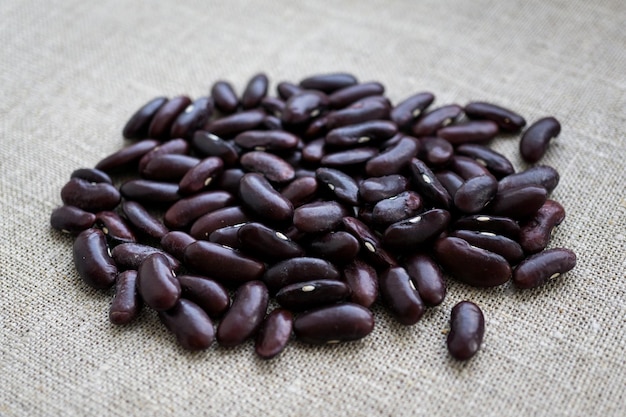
(348, 95)
(369, 241)
(360, 134)
(227, 236)
(467, 329)
(430, 122)
(286, 89)
(334, 324)
(426, 277)
(224, 97)
(371, 108)
(235, 123)
(394, 209)
(538, 269)
(272, 123)
(114, 227)
(304, 106)
(495, 224)
(363, 282)
(143, 221)
(92, 259)
(190, 324)
(311, 294)
(502, 245)
(427, 184)
(254, 91)
(400, 295)
(126, 303)
(186, 210)
(271, 166)
(319, 217)
(274, 333)
(200, 176)
(91, 175)
(300, 191)
(475, 193)
(374, 189)
(535, 233)
(537, 137)
(262, 199)
(518, 203)
(175, 243)
(268, 243)
(494, 161)
(507, 120)
(157, 284)
(168, 167)
(209, 295)
(450, 181)
(165, 117)
(229, 180)
(150, 192)
(350, 157)
(267, 140)
(70, 219)
(245, 315)
(467, 167)
(328, 82)
(542, 175)
(407, 234)
(192, 118)
(469, 132)
(208, 144)
(137, 126)
(273, 106)
(208, 223)
(171, 147)
(314, 151)
(435, 151)
(341, 185)
(409, 109)
(295, 270)
(89, 196)
(131, 255)
(337, 247)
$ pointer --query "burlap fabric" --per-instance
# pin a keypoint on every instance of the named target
(72, 72)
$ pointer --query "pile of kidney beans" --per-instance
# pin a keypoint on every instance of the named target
(325, 198)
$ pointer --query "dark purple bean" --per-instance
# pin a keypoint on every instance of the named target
(300, 191)
(271, 166)
(286, 89)
(137, 126)
(209, 295)
(499, 225)
(216, 219)
(312, 294)
(538, 269)
(304, 106)
(115, 228)
(363, 282)
(348, 95)
(235, 123)
(70, 219)
(469, 132)
(168, 167)
(362, 133)
(294, 270)
(258, 194)
(266, 242)
(157, 284)
(131, 255)
(542, 175)
(200, 176)
(405, 112)
(208, 144)
(272, 123)
(394, 209)
(518, 203)
(245, 316)
(190, 324)
(450, 181)
(467, 328)
(370, 242)
(165, 117)
(90, 196)
(175, 243)
(329, 82)
(535, 233)
(274, 333)
(186, 210)
(427, 184)
(267, 140)
(434, 120)
(467, 167)
(427, 278)
(221, 263)
(150, 192)
(495, 162)
(227, 236)
(475, 193)
(319, 217)
(435, 151)
(91, 175)
(349, 157)
(334, 324)
(229, 180)
(314, 151)
(471, 265)
(393, 159)
(143, 220)
(273, 106)
(337, 247)
(126, 302)
(192, 118)
(407, 234)
(400, 296)
(224, 97)
(171, 147)
(92, 259)
(374, 189)
(537, 137)
(254, 92)
(506, 119)
(342, 186)
(370, 108)
(502, 245)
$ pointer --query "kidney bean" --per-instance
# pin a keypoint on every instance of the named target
(300, 190)
(114, 227)
(192, 118)
(143, 220)
(406, 234)
(469, 132)
(224, 97)
(427, 184)
(272, 167)
(235, 123)
(91, 175)
(435, 151)
(475, 193)
(319, 217)
(190, 324)
(169, 167)
(363, 282)
(227, 236)
(311, 294)
(272, 123)
(209, 145)
(474, 266)
(393, 159)
(200, 176)
(542, 267)
(348, 95)
(316, 128)
(370, 108)
(304, 106)
(209, 295)
(400, 296)
(295, 270)
(186, 210)
(450, 181)
(362, 133)
(208, 223)
(258, 194)
(495, 224)
(542, 175)
(175, 243)
(342, 186)
(394, 209)
(370, 241)
(537, 137)
(328, 82)
(92, 259)
(467, 329)
(171, 147)
(334, 324)
(225, 264)
(286, 89)
(70, 219)
(267, 242)
(426, 277)
(502, 245)
(131, 255)
(90, 196)
(467, 167)
(495, 162)
(229, 180)
(126, 302)
(535, 233)
(337, 247)
(506, 119)
(137, 126)
(150, 192)
(349, 157)
(405, 112)
(162, 122)
(374, 189)
(245, 316)
(273, 106)
(314, 151)
(518, 203)
(267, 140)
(274, 333)
(255, 90)
(157, 284)
(434, 120)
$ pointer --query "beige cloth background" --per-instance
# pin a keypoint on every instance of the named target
(72, 72)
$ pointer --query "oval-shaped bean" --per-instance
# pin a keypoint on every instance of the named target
(362, 133)
(235, 123)
(90, 196)
(304, 106)
(400, 296)
(370, 108)
(168, 167)
(469, 132)
(114, 227)
(175, 243)
(268, 243)
(294, 270)
(92, 259)
(542, 267)
(254, 91)
(337, 247)
(70, 219)
(349, 157)
(542, 175)
(435, 151)
(222, 263)
(475, 193)
(165, 117)
(334, 324)
(310, 294)
(319, 217)
(209, 295)
(406, 234)
(314, 151)
(229, 180)
(467, 167)
(274, 106)
(535, 233)
(157, 284)
(374, 250)
(190, 324)
(209, 144)
(427, 278)
(150, 192)
(267, 140)
(258, 194)
(427, 184)
(137, 126)
(506, 119)
(374, 189)
(394, 209)
(300, 190)
(363, 282)
(208, 223)
(127, 156)
(274, 333)
(494, 161)
(502, 245)
(91, 175)
(341, 185)
(227, 236)
(537, 137)
(485, 223)
(143, 221)
(171, 147)
(409, 109)
(329, 82)
(348, 95)
(126, 302)
(131, 255)
(271, 166)
(467, 328)
(192, 118)
(272, 123)
(434, 120)
(286, 89)
(474, 266)
(186, 210)
(200, 176)
(245, 315)
(224, 97)
(450, 181)
(518, 203)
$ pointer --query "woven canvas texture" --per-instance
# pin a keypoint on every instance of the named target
(72, 72)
